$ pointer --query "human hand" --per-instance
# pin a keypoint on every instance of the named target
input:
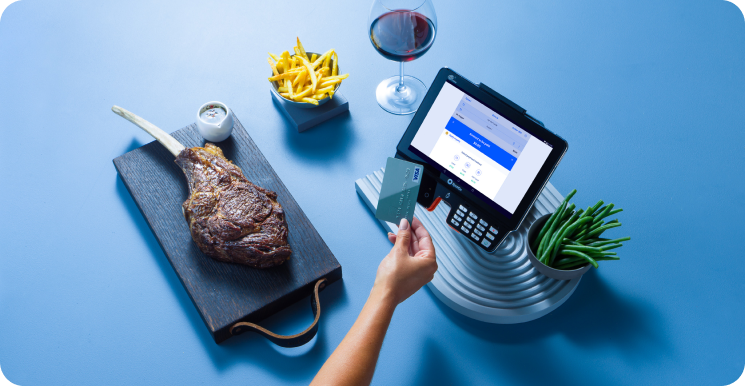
(409, 265)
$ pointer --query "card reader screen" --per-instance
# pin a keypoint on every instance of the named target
(486, 151)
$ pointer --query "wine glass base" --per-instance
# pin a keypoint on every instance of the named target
(401, 103)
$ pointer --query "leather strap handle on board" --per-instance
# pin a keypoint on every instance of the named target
(288, 340)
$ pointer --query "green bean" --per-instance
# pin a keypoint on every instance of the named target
(570, 195)
(577, 261)
(571, 242)
(602, 229)
(554, 216)
(547, 250)
(593, 208)
(604, 213)
(609, 212)
(602, 242)
(592, 254)
(584, 256)
(582, 248)
(547, 237)
(559, 215)
(568, 212)
(568, 230)
(545, 227)
(608, 247)
(546, 232)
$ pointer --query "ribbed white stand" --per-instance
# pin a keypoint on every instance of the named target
(501, 287)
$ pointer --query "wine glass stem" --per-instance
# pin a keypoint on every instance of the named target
(401, 86)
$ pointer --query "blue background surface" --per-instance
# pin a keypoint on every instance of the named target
(649, 94)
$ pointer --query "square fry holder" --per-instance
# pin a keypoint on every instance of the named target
(304, 119)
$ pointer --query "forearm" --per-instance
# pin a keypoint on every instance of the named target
(353, 362)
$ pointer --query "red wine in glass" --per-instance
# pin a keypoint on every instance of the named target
(402, 35)
(401, 30)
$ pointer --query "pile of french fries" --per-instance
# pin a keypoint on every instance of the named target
(305, 80)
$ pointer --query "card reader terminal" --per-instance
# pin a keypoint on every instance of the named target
(482, 154)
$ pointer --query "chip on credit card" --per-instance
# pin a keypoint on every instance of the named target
(400, 190)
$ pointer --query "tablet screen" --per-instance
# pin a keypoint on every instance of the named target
(486, 151)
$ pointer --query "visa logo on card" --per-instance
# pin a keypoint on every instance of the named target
(417, 172)
(399, 191)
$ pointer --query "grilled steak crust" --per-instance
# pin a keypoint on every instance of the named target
(230, 218)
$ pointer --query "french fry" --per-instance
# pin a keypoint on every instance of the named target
(286, 60)
(284, 75)
(328, 82)
(302, 49)
(321, 72)
(345, 76)
(300, 76)
(302, 94)
(320, 60)
(288, 84)
(324, 90)
(311, 73)
(305, 79)
(328, 59)
(273, 66)
(335, 69)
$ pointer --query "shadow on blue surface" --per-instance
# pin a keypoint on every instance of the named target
(595, 316)
(330, 141)
(438, 368)
(304, 361)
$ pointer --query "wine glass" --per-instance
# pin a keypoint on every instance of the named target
(402, 30)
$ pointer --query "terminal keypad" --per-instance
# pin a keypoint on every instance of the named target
(469, 223)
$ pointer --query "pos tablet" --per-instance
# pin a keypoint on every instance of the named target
(482, 155)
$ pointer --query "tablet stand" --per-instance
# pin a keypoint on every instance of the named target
(500, 287)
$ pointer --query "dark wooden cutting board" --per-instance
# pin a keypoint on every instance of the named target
(224, 293)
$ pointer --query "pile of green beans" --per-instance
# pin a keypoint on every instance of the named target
(570, 239)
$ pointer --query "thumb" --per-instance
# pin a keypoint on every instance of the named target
(403, 238)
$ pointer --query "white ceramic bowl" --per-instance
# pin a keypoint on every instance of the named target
(215, 132)
(302, 105)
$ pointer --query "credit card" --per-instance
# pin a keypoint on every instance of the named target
(399, 192)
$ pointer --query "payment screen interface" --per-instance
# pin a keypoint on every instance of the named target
(491, 154)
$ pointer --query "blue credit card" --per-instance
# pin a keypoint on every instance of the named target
(399, 192)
